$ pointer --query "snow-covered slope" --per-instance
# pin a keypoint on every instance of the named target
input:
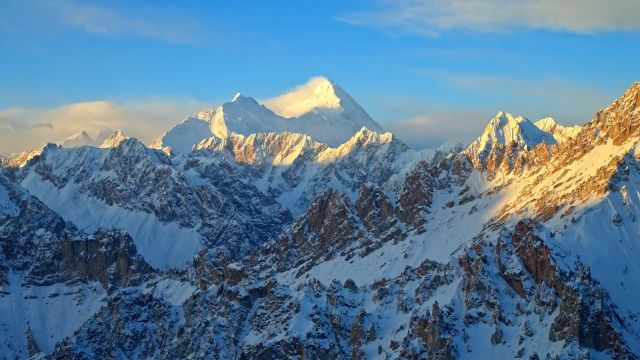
(559, 132)
(181, 138)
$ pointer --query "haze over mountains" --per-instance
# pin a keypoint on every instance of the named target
(297, 228)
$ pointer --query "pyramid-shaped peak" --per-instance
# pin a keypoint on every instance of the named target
(317, 93)
(238, 98)
(505, 128)
(114, 140)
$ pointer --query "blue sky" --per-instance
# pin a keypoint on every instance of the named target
(430, 69)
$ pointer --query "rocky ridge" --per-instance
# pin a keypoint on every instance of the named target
(495, 250)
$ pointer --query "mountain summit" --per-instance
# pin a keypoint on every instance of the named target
(507, 130)
(319, 108)
(322, 96)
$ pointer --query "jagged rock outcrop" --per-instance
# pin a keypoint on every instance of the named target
(416, 196)
(108, 257)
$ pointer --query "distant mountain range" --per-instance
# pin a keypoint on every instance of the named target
(297, 228)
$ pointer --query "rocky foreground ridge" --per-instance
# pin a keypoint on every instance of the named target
(276, 245)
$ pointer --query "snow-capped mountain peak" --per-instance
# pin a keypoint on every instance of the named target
(181, 138)
(506, 130)
(319, 108)
(237, 96)
(546, 123)
(114, 140)
(559, 132)
(451, 146)
(318, 93)
(365, 136)
(78, 139)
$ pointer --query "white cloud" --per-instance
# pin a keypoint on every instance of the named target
(98, 19)
(433, 17)
(24, 129)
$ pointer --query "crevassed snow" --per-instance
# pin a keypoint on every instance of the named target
(162, 245)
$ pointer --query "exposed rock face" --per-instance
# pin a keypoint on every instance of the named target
(295, 167)
(528, 266)
(415, 198)
(19, 160)
(326, 229)
(131, 324)
(251, 316)
(434, 334)
(27, 228)
(137, 179)
(108, 257)
(585, 311)
(263, 148)
(25, 218)
(377, 213)
(621, 119)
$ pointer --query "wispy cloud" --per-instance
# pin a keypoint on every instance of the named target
(532, 96)
(432, 129)
(434, 17)
(24, 129)
(100, 19)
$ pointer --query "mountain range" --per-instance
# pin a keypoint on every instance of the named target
(298, 228)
